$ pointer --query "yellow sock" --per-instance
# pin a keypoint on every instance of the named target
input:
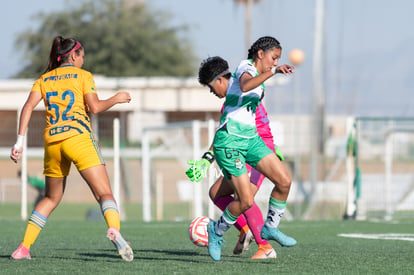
(30, 236)
(111, 214)
(112, 219)
(35, 224)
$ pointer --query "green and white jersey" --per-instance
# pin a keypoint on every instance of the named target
(239, 108)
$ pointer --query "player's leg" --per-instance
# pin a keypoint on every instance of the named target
(98, 181)
(89, 162)
(55, 185)
(254, 218)
(270, 144)
(273, 169)
(232, 162)
(244, 200)
(39, 216)
(221, 193)
(56, 168)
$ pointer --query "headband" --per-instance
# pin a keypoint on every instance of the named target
(217, 77)
(77, 46)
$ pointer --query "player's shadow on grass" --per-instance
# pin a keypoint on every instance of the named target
(182, 256)
(143, 254)
(190, 256)
(200, 256)
(104, 255)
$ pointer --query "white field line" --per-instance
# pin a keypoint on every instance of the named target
(388, 236)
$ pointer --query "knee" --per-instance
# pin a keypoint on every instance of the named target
(285, 183)
(52, 201)
(246, 204)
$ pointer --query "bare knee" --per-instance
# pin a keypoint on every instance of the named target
(53, 201)
(246, 204)
(284, 183)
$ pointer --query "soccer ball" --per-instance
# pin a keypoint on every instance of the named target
(197, 231)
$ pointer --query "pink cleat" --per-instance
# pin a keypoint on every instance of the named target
(21, 253)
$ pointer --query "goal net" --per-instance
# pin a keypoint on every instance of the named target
(382, 182)
(167, 193)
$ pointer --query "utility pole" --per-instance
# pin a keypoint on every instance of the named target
(318, 110)
(247, 20)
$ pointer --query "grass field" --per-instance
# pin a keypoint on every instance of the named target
(70, 244)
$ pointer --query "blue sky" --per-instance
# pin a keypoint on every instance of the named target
(367, 49)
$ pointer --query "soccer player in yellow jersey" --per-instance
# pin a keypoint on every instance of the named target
(69, 94)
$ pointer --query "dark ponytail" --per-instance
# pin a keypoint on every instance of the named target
(58, 52)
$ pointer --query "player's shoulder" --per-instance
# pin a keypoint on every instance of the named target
(81, 71)
(245, 62)
(245, 66)
(82, 74)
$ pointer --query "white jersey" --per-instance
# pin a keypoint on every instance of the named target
(240, 108)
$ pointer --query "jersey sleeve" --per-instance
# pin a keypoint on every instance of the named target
(36, 87)
(89, 84)
(246, 67)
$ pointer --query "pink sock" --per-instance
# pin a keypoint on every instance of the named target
(222, 202)
(255, 221)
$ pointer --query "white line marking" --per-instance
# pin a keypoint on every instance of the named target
(388, 236)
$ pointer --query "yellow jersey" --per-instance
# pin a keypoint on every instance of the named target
(63, 91)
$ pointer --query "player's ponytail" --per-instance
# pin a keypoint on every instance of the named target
(53, 63)
(60, 50)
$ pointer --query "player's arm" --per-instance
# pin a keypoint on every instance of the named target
(97, 105)
(249, 82)
(25, 115)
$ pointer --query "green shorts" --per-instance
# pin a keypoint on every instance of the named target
(233, 152)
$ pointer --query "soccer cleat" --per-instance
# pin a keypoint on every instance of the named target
(265, 251)
(270, 233)
(214, 242)
(121, 245)
(243, 244)
(21, 253)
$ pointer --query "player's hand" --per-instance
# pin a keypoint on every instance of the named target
(279, 153)
(123, 97)
(284, 69)
(198, 169)
(16, 153)
(17, 149)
